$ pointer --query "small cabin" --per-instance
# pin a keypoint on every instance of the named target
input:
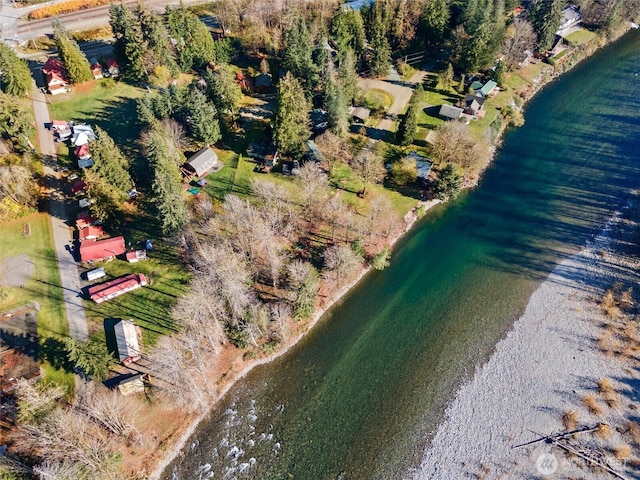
(127, 334)
(202, 162)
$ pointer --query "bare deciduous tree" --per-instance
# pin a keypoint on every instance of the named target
(519, 37)
(342, 262)
(314, 183)
(452, 143)
(369, 168)
(334, 149)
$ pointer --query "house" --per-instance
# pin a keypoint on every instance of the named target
(570, 18)
(59, 125)
(476, 85)
(136, 255)
(84, 219)
(202, 162)
(473, 104)
(127, 334)
(488, 89)
(106, 291)
(359, 114)
(90, 232)
(113, 68)
(101, 249)
(449, 112)
(262, 83)
(96, 71)
(56, 76)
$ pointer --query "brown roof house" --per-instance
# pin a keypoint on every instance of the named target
(202, 162)
(56, 76)
(473, 104)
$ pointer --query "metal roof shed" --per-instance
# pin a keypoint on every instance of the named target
(127, 341)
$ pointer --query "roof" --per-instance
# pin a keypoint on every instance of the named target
(127, 340)
(131, 385)
(476, 85)
(449, 111)
(473, 102)
(112, 63)
(54, 65)
(202, 161)
(263, 80)
(100, 249)
(78, 186)
(136, 255)
(114, 288)
(82, 151)
(90, 232)
(488, 87)
(361, 113)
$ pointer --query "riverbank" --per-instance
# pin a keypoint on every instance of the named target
(551, 364)
(242, 367)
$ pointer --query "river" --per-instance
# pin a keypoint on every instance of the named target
(359, 397)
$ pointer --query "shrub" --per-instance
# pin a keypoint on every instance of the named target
(107, 83)
(65, 7)
(592, 404)
(604, 386)
(622, 452)
(603, 431)
(609, 304)
(381, 260)
(570, 420)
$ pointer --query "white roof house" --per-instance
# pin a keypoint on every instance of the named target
(127, 341)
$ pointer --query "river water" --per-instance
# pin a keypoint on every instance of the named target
(359, 397)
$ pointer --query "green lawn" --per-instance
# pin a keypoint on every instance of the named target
(376, 99)
(43, 288)
(113, 110)
(580, 37)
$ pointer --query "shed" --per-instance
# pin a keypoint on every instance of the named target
(101, 249)
(476, 85)
(132, 385)
(104, 292)
(360, 114)
(112, 67)
(450, 112)
(126, 334)
(202, 162)
(95, 274)
(96, 71)
(136, 255)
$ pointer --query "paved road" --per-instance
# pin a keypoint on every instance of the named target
(62, 236)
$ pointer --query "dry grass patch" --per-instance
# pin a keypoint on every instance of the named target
(609, 304)
(632, 430)
(570, 420)
(591, 402)
(622, 452)
(603, 431)
(605, 386)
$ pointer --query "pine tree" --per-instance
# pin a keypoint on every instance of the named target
(292, 121)
(434, 22)
(336, 103)
(75, 62)
(545, 18)
(16, 122)
(92, 357)
(297, 57)
(380, 55)
(195, 45)
(408, 127)
(203, 117)
(348, 77)
(348, 29)
(130, 45)
(156, 36)
(15, 76)
(223, 90)
(110, 164)
(448, 184)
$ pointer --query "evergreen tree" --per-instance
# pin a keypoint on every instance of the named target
(297, 57)
(223, 90)
(156, 36)
(110, 164)
(336, 104)
(144, 108)
(107, 206)
(434, 22)
(348, 29)
(16, 122)
(130, 45)
(167, 190)
(292, 121)
(448, 184)
(408, 127)
(545, 19)
(497, 74)
(446, 77)
(75, 62)
(92, 357)
(15, 76)
(195, 45)
(380, 55)
(203, 117)
(348, 76)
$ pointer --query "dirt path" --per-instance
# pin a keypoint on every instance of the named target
(62, 237)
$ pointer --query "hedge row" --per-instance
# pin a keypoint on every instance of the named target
(66, 7)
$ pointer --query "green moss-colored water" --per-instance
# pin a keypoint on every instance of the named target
(358, 398)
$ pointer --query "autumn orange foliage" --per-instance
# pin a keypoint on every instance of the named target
(66, 7)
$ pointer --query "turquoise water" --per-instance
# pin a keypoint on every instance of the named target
(360, 395)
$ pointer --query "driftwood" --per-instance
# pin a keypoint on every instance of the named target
(560, 441)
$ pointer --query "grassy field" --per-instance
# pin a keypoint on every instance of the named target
(44, 288)
(376, 99)
(580, 37)
(112, 109)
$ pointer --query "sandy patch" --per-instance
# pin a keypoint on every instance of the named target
(16, 271)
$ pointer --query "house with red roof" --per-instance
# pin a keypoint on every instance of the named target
(101, 249)
(113, 68)
(90, 232)
(55, 75)
(96, 71)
